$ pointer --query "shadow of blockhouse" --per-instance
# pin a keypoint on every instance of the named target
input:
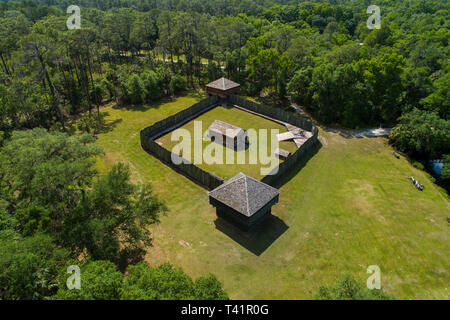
(259, 239)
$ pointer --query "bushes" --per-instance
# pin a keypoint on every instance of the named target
(167, 282)
(29, 267)
(422, 134)
(446, 168)
(99, 91)
(136, 90)
(93, 125)
(177, 84)
(101, 281)
(108, 88)
(347, 288)
(153, 84)
(162, 283)
(148, 86)
(418, 165)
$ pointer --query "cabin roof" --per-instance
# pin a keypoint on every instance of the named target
(223, 84)
(244, 194)
(225, 129)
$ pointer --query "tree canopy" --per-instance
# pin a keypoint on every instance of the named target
(348, 288)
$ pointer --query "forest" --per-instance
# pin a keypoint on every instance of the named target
(319, 55)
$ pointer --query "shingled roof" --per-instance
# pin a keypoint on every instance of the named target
(223, 84)
(225, 129)
(244, 194)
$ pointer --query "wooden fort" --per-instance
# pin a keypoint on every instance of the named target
(244, 201)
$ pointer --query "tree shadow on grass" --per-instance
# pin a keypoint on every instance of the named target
(156, 104)
(258, 240)
(105, 126)
(94, 124)
(144, 107)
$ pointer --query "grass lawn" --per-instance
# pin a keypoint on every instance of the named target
(350, 206)
(243, 120)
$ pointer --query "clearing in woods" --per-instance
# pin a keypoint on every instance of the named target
(350, 206)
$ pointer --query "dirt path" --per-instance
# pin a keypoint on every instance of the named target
(346, 133)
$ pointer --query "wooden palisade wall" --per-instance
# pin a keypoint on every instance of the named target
(207, 179)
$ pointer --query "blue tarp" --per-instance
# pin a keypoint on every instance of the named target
(436, 167)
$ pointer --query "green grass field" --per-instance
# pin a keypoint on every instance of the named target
(243, 120)
(350, 206)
